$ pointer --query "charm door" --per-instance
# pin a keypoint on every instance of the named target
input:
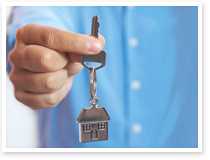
(94, 134)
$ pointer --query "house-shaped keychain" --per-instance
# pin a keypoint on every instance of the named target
(93, 124)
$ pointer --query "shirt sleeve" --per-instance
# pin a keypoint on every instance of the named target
(20, 16)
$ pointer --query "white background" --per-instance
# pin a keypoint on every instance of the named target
(21, 121)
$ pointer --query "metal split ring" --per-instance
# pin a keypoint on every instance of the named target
(93, 101)
(93, 85)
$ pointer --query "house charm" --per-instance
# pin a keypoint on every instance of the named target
(93, 124)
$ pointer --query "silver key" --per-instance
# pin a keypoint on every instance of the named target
(93, 122)
(95, 26)
(101, 56)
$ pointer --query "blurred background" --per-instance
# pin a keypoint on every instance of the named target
(21, 122)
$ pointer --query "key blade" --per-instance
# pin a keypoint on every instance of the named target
(95, 26)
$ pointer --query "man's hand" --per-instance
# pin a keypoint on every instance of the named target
(44, 61)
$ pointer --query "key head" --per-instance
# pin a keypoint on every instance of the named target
(99, 58)
(95, 26)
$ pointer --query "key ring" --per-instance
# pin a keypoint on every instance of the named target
(92, 82)
(93, 87)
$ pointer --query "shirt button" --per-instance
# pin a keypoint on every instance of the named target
(135, 85)
(133, 42)
(136, 128)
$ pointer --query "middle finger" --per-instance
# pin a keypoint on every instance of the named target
(40, 82)
(37, 58)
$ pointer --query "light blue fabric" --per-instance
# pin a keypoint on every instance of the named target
(165, 62)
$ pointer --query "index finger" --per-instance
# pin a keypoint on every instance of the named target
(57, 39)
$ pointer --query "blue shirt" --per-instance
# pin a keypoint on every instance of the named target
(149, 85)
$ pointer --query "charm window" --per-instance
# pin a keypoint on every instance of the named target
(86, 127)
(101, 126)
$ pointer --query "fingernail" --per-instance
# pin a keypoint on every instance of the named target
(93, 46)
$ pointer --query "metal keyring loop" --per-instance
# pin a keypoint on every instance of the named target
(93, 101)
(92, 83)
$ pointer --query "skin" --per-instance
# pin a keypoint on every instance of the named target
(45, 60)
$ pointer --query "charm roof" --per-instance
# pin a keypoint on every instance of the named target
(93, 114)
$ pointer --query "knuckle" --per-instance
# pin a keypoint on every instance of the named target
(13, 55)
(12, 76)
(18, 95)
(19, 33)
(10, 57)
(46, 60)
(51, 100)
(47, 37)
(49, 82)
(27, 50)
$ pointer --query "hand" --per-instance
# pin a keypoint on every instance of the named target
(44, 61)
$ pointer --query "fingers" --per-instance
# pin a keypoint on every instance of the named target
(44, 60)
(57, 39)
(101, 39)
(73, 68)
(38, 59)
(41, 101)
(74, 57)
(39, 82)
